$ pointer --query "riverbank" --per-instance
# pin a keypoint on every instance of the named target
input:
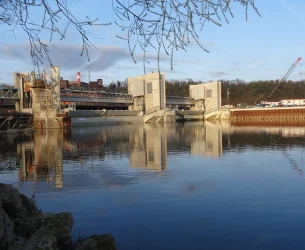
(23, 226)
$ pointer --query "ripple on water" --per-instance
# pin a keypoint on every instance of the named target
(184, 186)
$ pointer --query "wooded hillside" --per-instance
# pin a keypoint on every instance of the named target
(240, 91)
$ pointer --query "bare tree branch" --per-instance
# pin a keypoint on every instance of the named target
(169, 25)
(57, 18)
(163, 25)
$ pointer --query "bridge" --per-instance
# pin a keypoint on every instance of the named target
(121, 98)
(93, 97)
(9, 93)
(8, 97)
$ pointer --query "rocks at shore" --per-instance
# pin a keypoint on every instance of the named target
(105, 242)
(24, 227)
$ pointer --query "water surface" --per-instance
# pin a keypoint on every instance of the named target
(183, 186)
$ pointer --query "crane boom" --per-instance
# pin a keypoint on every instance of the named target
(284, 78)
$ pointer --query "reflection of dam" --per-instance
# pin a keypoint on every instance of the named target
(152, 142)
(209, 143)
(150, 148)
(147, 147)
(41, 159)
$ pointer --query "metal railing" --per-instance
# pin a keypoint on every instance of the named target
(9, 93)
(180, 97)
(94, 94)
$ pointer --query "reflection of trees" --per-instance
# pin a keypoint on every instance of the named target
(242, 141)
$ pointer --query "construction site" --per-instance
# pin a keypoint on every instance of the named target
(42, 101)
(40, 98)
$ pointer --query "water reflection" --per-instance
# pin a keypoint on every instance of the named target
(147, 147)
(171, 180)
(41, 159)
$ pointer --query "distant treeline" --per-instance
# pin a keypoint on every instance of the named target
(239, 90)
(245, 92)
(257, 91)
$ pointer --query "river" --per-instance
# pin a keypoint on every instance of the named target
(168, 186)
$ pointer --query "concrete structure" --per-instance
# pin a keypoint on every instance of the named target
(150, 97)
(100, 117)
(44, 95)
(207, 96)
(40, 95)
(149, 87)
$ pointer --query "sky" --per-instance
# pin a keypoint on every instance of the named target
(261, 48)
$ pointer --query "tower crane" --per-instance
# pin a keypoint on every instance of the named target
(284, 78)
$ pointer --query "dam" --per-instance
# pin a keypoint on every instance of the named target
(51, 106)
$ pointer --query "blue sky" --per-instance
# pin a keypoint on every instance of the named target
(261, 48)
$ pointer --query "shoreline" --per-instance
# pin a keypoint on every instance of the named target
(23, 226)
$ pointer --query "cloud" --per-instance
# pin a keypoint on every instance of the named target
(68, 57)
(218, 73)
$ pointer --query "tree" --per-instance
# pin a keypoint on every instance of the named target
(164, 25)
(169, 25)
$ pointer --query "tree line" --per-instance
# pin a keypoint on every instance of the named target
(239, 91)
(256, 91)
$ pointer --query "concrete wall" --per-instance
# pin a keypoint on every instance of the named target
(21, 81)
(152, 87)
(198, 91)
(46, 119)
(91, 121)
(209, 92)
(41, 99)
(212, 96)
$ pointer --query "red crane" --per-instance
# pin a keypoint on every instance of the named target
(284, 78)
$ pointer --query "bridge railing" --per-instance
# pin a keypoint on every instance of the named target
(9, 93)
(180, 98)
(95, 93)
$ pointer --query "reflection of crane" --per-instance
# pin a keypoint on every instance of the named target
(293, 66)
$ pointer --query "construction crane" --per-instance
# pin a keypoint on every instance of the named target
(293, 66)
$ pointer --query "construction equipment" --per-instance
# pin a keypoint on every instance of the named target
(259, 97)
(284, 78)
